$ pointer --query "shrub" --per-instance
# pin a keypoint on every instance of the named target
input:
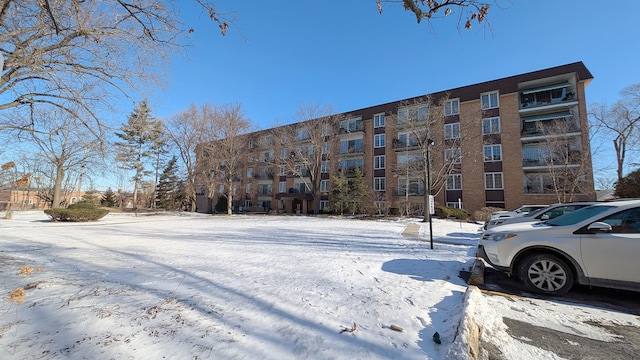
(484, 214)
(76, 214)
(444, 212)
(394, 211)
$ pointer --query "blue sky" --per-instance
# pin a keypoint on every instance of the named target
(281, 54)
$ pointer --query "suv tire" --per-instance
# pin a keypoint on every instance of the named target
(546, 274)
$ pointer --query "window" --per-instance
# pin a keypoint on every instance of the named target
(624, 222)
(411, 159)
(452, 155)
(489, 100)
(302, 134)
(492, 153)
(379, 140)
(283, 170)
(413, 114)
(282, 187)
(493, 181)
(247, 204)
(325, 147)
(324, 204)
(378, 120)
(248, 188)
(267, 156)
(414, 186)
(350, 125)
(251, 144)
(349, 166)
(351, 146)
(264, 189)
(249, 173)
(324, 185)
(452, 107)
(301, 188)
(379, 162)
(491, 125)
(452, 131)
(407, 139)
(379, 184)
(250, 158)
(324, 166)
(284, 153)
(454, 182)
(454, 205)
(221, 189)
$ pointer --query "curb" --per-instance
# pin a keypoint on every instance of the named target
(477, 273)
(467, 342)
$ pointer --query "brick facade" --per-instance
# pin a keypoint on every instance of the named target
(524, 157)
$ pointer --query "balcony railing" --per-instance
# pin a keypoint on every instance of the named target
(403, 144)
(572, 158)
(353, 127)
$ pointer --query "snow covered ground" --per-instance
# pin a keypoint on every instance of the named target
(192, 286)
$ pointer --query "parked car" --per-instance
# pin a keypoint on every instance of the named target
(522, 210)
(598, 245)
(546, 213)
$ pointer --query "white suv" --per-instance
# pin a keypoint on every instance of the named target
(598, 245)
(522, 210)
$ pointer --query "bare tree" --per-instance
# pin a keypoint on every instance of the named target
(620, 123)
(76, 55)
(66, 144)
(190, 132)
(307, 144)
(430, 9)
(229, 150)
(564, 157)
(417, 124)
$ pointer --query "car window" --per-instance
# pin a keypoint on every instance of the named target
(561, 210)
(624, 222)
(576, 216)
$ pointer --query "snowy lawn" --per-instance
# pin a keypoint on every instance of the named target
(189, 286)
(192, 286)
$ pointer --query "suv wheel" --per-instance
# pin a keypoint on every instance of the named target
(546, 274)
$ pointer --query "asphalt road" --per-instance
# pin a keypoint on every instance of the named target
(562, 344)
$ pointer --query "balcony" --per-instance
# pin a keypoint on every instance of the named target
(267, 175)
(572, 158)
(351, 128)
(546, 96)
(549, 124)
(402, 144)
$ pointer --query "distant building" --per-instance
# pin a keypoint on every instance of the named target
(31, 200)
(500, 130)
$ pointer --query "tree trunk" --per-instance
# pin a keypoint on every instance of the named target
(57, 186)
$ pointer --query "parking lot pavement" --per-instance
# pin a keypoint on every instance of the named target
(506, 293)
(615, 300)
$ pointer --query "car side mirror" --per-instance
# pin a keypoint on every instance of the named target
(544, 217)
(599, 227)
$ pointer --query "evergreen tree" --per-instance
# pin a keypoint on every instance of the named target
(108, 198)
(139, 137)
(358, 192)
(167, 188)
(629, 186)
(339, 194)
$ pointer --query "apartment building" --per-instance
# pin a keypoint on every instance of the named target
(522, 139)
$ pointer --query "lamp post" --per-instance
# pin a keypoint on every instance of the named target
(430, 143)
